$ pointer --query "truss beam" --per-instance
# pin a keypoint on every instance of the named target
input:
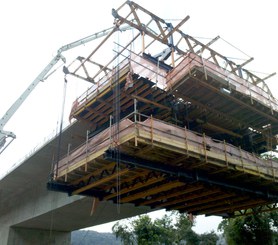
(161, 33)
(190, 176)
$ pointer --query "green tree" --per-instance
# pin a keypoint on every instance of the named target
(165, 230)
(125, 233)
(184, 230)
(252, 229)
(172, 228)
(208, 238)
(145, 231)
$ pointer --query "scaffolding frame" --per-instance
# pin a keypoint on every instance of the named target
(171, 159)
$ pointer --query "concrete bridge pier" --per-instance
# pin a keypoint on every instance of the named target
(26, 236)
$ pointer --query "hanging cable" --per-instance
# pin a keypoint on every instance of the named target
(116, 118)
(206, 38)
(61, 125)
(235, 47)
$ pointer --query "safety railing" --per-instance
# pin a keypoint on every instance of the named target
(135, 64)
(138, 127)
(192, 61)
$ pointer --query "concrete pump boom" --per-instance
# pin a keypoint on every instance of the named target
(43, 75)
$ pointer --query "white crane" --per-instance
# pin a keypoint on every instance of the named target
(42, 76)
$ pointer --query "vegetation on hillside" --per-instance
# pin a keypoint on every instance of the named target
(176, 229)
(260, 228)
(172, 228)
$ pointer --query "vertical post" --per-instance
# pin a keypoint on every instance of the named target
(272, 168)
(87, 140)
(270, 104)
(205, 147)
(135, 110)
(250, 93)
(203, 63)
(68, 151)
(256, 164)
(173, 57)
(152, 129)
(241, 159)
(110, 127)
(225, 150)
(143, 42)
(97, 87)
(186, 141)
(135, 121)
(87, 92)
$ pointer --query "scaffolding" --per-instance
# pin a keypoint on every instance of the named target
(182, 134)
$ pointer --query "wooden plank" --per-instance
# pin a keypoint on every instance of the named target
(183, 199)
(95, 173)
(151, 102)
(240, 206)
(209, 200)
(217, 205)
(135, 187)
(170, 195)
(101, 181)
(220, 129)
(164, 187)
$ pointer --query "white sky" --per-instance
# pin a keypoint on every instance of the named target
(32, 31)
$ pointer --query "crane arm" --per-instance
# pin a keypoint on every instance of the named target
(25, 94)
(11, 111)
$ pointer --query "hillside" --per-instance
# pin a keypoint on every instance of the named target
(88, 237)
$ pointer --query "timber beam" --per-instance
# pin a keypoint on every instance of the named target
(135, 187)
(172, 194)
(191, 176)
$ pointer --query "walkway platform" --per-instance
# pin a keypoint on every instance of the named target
(196, 94)
(164, 166)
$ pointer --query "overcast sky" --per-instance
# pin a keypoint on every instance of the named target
(32, 31)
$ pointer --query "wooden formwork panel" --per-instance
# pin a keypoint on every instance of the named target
(157, 164)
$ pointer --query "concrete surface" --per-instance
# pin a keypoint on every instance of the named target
(30, 213)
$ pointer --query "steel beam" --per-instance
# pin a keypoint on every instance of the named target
(192, 176)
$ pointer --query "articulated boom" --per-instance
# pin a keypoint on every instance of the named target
(45, 73)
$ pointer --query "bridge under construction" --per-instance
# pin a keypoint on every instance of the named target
(173, 124)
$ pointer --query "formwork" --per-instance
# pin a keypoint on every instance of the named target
(182, 135)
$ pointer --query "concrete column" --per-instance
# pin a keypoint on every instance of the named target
(4, 234)
(24, 236)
